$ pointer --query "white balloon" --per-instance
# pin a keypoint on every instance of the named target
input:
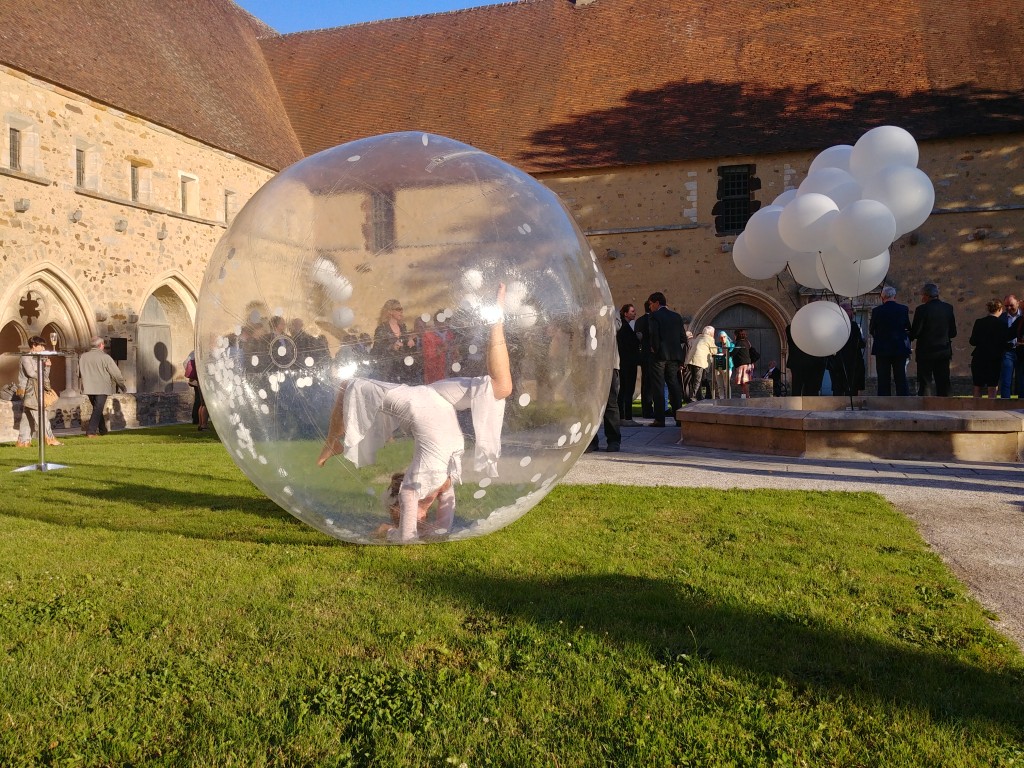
(863, 229)
(833, 157)
(804, 222)
(907, 192)
(834, 183)
(785, 197)
(820, 328)
(846, 278)
(879, 147)
(804, 267)
(343, 317)
(749, 263)
(763, 240)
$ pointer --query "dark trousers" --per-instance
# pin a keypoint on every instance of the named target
(693, 376)
(646, 390)
(891, 369)
(612, 433)
(627, 388)
(933, 371)
(666, 373)
(806, 381)
(97, 424)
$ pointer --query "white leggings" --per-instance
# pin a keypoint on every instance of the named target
(409, 506)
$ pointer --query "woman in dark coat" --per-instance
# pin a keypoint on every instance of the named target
(988, 337)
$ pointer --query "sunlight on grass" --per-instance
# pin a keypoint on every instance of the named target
(156, 609)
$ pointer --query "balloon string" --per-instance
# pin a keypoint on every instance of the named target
(840, 358)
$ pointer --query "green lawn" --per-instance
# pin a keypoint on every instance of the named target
(155, 609)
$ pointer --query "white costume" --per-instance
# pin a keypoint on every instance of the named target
(375, 409)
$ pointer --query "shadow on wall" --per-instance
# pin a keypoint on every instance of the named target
(648, 126)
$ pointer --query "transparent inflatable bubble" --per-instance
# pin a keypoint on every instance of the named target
(462, 420)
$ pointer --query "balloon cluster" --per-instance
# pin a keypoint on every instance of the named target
(835, 230)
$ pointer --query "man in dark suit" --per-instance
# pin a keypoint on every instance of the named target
(629, 359)
(666, 343)
(890, 343)
(642, 331)
(933, 328)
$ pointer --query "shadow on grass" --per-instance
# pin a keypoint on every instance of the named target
(679, 625)
(169, 504)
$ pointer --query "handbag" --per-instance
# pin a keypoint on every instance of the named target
(50, 398)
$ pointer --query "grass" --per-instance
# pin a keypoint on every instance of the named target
(156, 609)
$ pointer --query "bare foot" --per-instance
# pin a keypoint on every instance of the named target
(331, 448)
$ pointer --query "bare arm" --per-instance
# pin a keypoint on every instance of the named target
(498, 366)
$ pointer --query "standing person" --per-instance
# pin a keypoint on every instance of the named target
(742, 363)
(33, 413)
(201, 415)
(392, 343)
(642, 328)
(100, 378)
(438, 347)
(629, 359)
(890, 343)
(806, 371)
(666, 342)
(846, 367)
(1011, 375)
(987, 338)
(933, 328)
(725, 348)
(702, 353)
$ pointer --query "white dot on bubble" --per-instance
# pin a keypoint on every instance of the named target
(535, 478)
(263, 394)
(562, 439)
(479, 494)
(354, 159)
(527, 228)
(264, 409)
(524, 399)
(567, 456)
(525, 461)
(425, 139)
(593, 331)
(308, 361)
(282, 351)
(408, 360)
(287, 490)
(440, 317)
(255, 361)
(484, 482)
(575, 427)
(590, 428)
(263, 459)
(604, 311)
(472, 349)
(425, 317)
(593, 343)
(282, 472)
(456, 367)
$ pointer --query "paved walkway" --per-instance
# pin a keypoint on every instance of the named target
(972, 514)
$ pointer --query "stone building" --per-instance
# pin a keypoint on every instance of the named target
(134, 129)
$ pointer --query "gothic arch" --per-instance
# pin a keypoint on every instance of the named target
(174, 282)
(759, 300)
(73, 310)
(165, 332)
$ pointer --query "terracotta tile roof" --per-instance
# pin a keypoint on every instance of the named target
(191, 65)
(547, 85)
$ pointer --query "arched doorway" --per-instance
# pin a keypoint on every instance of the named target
(54, 338)
(761, 332)
(12, 339)
(165, 337)
(756, 312)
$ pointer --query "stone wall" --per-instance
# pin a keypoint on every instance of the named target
(122, 411)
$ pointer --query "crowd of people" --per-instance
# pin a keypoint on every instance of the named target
(679, 367)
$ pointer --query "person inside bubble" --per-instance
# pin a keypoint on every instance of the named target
(367, 412)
